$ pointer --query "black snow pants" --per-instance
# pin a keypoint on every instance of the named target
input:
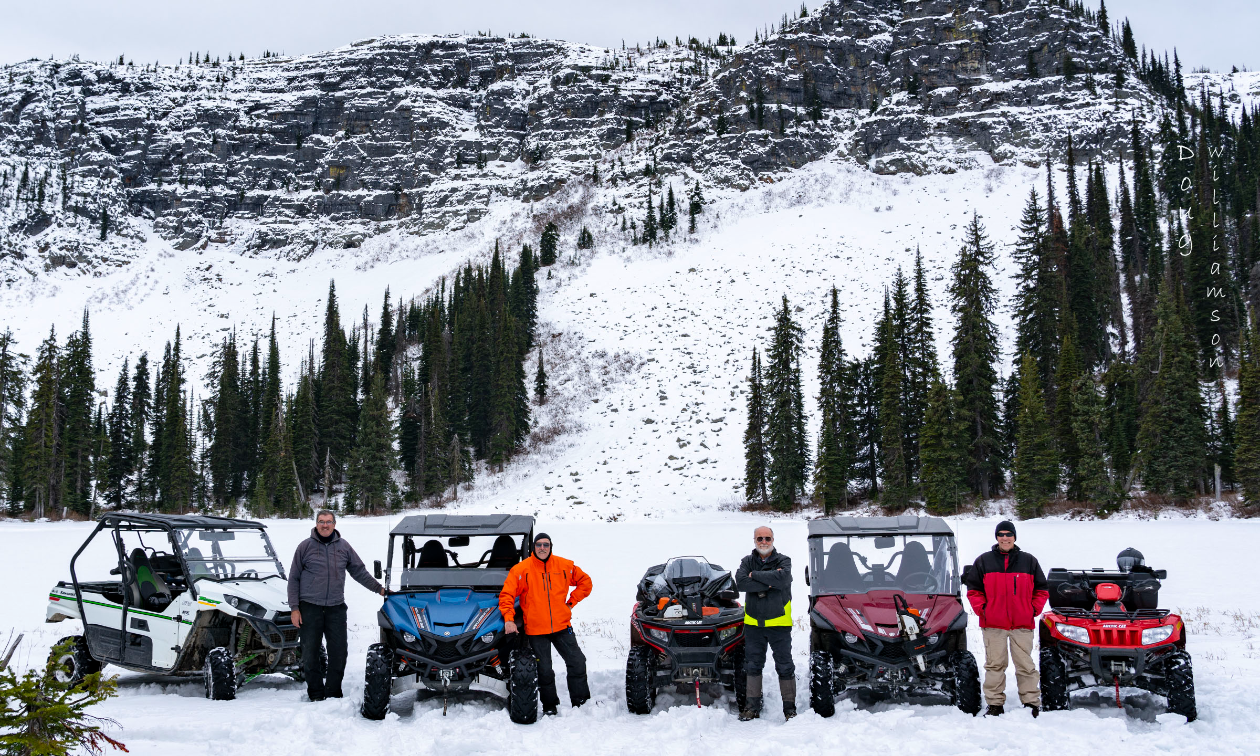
(779, 639)
(320, 623)
(575, 666)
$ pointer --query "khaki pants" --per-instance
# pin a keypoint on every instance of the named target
(996, 660)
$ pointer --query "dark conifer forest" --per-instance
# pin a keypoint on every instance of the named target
(386, 416)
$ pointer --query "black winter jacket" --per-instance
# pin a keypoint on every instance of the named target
(768, 583)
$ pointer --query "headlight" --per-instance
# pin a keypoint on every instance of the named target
(1072, 632)
(1156, 634)
(487, 638)
(933, 639)
(422, 620)
(727, 632)
(850, 638)
(244, 605)
(658, 634)
(408, 637)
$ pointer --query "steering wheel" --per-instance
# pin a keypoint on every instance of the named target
(927, 582)
(454, 557)
(247, 573)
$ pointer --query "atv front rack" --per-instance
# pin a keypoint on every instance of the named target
(1112, 614)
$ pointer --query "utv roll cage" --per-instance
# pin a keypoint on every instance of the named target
(428, 566)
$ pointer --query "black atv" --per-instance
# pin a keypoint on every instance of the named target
(687, 628)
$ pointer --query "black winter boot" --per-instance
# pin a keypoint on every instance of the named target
(994, 711)
(753, 710)
(1036, 710)
(788, 689)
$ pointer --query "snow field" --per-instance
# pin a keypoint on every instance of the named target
(271, 715)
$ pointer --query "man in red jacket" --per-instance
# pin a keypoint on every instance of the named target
(1007, 590)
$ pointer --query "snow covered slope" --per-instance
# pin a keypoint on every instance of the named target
(158, 715)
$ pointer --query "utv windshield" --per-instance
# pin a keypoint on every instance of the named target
(910, 563)
(244, 554)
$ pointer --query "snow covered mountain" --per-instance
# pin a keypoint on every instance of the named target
(213, 196)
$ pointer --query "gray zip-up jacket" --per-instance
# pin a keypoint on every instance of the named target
(318, 573)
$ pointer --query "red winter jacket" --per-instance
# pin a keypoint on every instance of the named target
(1007, 590)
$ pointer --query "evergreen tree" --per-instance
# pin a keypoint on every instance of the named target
(368, 481)
(897, 490)
(12, 402)
(921, 366)
(1247, 426)
(121, 435)
(42, 472)
(302, 432)
(336, 411)
(944, 473)
(1038, 302)
(975, 348)
(695, 206)
(78, 403)
(786, 443)
(1171, 436)
(547, 245)
(540, 381)
(1070, 370)
(1036, 473)
(755, 454)
(141, 412)
(1093, 484)
(383, 361)
(227, 451)
(269, 404)
(1120, 419)
(865, 390)
(649, 223)
(835, 407)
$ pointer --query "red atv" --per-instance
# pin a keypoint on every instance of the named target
(1104, 629)
(886, 612)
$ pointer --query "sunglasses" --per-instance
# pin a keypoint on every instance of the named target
(764, 539)
(542, 545)
(1004, 534)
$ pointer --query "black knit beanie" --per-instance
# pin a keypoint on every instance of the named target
(538, 538)
(1004, 525)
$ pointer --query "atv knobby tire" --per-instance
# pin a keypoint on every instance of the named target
(966, 693)
(377, 682)
(640, 680)
(821, 698)
(523, 687)
(741, 679)
(1054, 680)
(1179, 673)
(70, 660)
(299, 674)
(220, 675)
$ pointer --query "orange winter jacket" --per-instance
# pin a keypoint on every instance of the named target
(543, 588)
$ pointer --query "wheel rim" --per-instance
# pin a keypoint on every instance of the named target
(66, 669)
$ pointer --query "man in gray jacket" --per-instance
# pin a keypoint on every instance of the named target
(317, 592)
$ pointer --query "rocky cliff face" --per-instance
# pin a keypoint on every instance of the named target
(281, 155)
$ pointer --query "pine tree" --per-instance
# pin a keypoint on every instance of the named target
(547, 245)
(1063, 415)
(12, 402)
(1093, 484)
(230, 431)
(1247, 425)
(78, 402)
(975, 348)
(336, 411)
(45, 715)
(649, 223)
(42, 473)
(121, 435)
(141, 412)
(1038, 301)
(755, 453)
(944, 472)
(1036, 473)
(1120, 419)
(302, 432)
(269, 404)
(921, 366)
(1171, 435)
(835, 406)
(540, 381)
(368, 481)
(695, 206)
(897, 491)
(786, 443)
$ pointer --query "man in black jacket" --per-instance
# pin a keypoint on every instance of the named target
(317, 588)
(766, 576)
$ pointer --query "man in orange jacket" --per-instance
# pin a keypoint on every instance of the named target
(542, 584)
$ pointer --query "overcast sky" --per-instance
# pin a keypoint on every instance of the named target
(1213, 33)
